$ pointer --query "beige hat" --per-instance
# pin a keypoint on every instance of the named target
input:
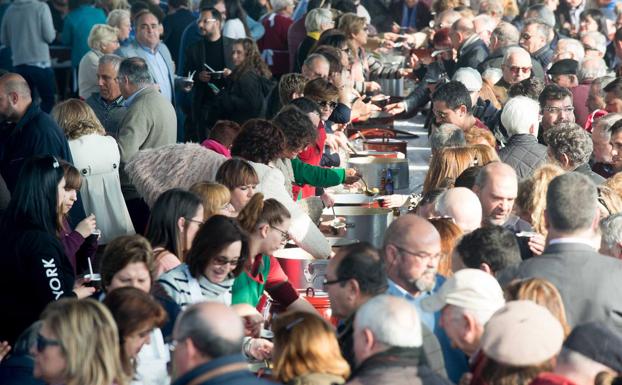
(471, 289)
(522, 333)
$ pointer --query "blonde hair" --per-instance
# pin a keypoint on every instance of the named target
(609, 202)
(475, 135)
(450, 235)
(101, 34)
(306, 344)
(351, 24)
(214, 196)
(76, 118)
(88, 338)
(543, 293)
(484, 154)
(531, 198)
(116, 16)
(615, 183)
(446, 165)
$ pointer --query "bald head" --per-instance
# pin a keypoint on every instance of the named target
(407, 226)
(463, 206)
(411, 251)
(15, 97)
(447, 18)
(206, 331)
(496, 187)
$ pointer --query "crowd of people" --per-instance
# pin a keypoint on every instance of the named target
(154, 158)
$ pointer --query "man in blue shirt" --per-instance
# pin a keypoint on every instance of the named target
(412, 251)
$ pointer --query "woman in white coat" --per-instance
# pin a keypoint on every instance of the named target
(97, 158)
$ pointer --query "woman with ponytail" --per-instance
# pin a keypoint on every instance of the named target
(267, 224)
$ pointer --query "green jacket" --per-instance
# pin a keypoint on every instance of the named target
(317, 176)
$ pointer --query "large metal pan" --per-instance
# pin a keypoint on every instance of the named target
(365, 224)
(386, 144)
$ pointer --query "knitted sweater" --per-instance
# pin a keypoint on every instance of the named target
(28, 21)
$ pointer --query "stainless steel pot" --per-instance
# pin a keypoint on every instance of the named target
(301, 268)
(365, 224)
(347, 199)
(374, 170)
(386, 144)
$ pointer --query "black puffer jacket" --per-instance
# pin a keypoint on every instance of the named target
(524, 154)
(396, 366)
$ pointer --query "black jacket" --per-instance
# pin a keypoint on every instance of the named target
(174, 26)
(470, 56)
(524, 154)
(242, 99)
(544, 56)
(386, 12)
(486, 112)
(587, 171)
(34, 271)
(36, 134)
(495, 59)
(396, 366)
(229, 370)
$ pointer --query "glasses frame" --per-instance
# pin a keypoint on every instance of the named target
(284, 234)
(232, 262)
(419, 254)
(200, 223)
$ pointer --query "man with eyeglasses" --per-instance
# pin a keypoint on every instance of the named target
(556, 107)
(535, 39)
(202, 58)
(516, 66)
(411, 253)
(207, 346)
(451, 103)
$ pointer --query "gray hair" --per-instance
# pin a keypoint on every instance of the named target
(611, 230)
(519, 114)
(605, 123)
(316, 17)
(112, 59)
(101, 34)
(544, 13)
(592, 68)
(571, 202)
(446, 135)
(136, 70)
(542, 27)
(514, 51)
(571, 140)
(492, 75)
(599, 40)
(574, 46)
(312, 58)
(278, 5)
(116, 16)
(399, 324)
(487, 20)
(506, 34)
(195, 323)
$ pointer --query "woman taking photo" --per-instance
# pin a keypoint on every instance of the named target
(78, 344)
(306, 351)
(247, 86)
(34, 259)
(175, 219)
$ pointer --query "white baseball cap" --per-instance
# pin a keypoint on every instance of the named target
(471, 289)
(468, 76)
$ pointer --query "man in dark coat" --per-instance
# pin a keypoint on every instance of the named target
(535, 39)
(386, 13)
(587, 281)
(571, 147)
(523, 152)
(208, 339)
(471, 48)
(26, 130)
(215, 51)
(390, 358)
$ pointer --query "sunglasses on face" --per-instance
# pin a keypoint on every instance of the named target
(327, 103)
(43, 343)
(221, 261)
(516, 69)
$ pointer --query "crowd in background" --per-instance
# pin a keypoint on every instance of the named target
(155, 156)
